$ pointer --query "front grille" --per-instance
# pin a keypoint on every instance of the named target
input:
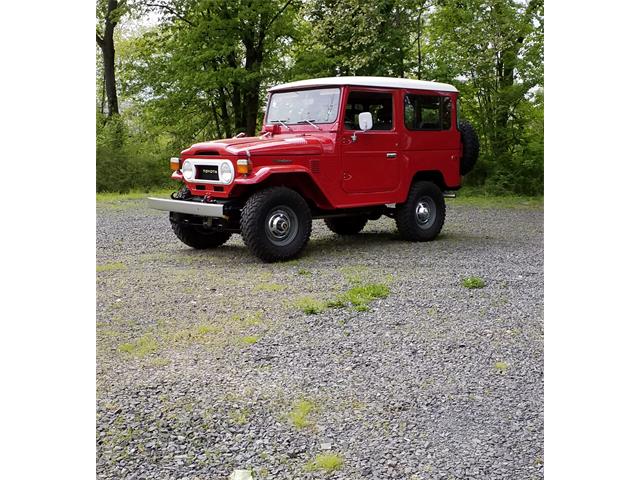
(207, 172)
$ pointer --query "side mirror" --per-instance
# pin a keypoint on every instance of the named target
(365, 121)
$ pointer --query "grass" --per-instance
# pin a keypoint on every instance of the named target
(248, 319)
(250, 340)
(474, 197)
(304, 271)
(240, 416)
(300, 413)
(310, 305)
(110, 267)
(201, 333)
(502, 367)
(325, 461)
(359, 297)
(269, 287)
(471, 196)
(140, 347)
(362, 295)
(473, 282)
(133, 195)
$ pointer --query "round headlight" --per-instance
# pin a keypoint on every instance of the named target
(188, 171)
(226, 173)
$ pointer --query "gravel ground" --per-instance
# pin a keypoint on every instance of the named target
(206, 362)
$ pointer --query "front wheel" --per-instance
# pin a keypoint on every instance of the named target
(421, 217)
(199, 237)
(275, 224)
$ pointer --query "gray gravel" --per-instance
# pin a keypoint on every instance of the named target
(203, 355)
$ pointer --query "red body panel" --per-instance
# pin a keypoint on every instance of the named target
(329, 167)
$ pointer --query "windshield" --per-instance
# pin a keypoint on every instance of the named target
(316, 106)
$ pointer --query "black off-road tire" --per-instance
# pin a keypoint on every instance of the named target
(199, 237)
(421, 217)
(275, 224)
(350, 225)
(470, 147)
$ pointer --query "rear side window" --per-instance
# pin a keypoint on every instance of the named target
(427, 112)
(379, 104)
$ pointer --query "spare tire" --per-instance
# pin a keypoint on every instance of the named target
(470, 147)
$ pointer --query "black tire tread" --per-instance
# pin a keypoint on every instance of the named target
(190, 236)
(470, 147)
(251, 225)
(351, 225)
(405, 213)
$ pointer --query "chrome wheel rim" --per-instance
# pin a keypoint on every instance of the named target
(281, 225)
(425, 212)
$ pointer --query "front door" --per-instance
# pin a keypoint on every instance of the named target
(371, 161)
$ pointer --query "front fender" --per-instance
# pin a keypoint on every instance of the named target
(262, 173)
(296, 177)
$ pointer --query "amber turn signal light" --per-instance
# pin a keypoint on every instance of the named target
(175, 164)
(244, 166)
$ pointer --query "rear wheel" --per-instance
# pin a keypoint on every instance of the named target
(421, 217)
(275, 224)
(199, 237)
(346, 225)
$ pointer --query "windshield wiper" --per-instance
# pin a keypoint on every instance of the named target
(281, 122)
(310, 122)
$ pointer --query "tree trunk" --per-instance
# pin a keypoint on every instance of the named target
(225, 113)
(109, 59)
(253, 64)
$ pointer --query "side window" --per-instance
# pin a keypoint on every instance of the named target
(427, 112)
(380, 105)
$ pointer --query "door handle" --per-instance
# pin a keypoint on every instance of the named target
(392, 155)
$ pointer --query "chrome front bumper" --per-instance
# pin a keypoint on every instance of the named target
(183, 206)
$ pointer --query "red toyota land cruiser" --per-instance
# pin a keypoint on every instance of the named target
(344, 149)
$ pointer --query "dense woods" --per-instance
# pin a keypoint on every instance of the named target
(173, 72)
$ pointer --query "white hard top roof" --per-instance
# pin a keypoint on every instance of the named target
(367, 82)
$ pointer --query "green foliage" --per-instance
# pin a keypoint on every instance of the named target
(473, 282)
(300, 413)
(377, 40)
(110, 267)
(501, 367)
(362, 295)
(493, 52)
(325, 461)
(140, 347)
(310, 306)
(269, 287)
(250, 340)
(126, 160)
(239, 416)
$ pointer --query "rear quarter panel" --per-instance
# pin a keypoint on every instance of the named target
(437, 150)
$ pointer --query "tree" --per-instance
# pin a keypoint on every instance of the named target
(208, 60)
(495, 50)
(351, 37)
(108, 13)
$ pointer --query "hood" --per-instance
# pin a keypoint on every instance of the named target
(281, 144)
